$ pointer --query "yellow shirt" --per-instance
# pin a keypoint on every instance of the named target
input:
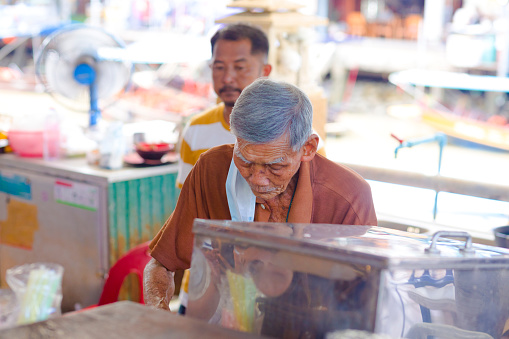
(203, 131)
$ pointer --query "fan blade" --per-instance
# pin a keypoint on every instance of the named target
(112, 77)
(60, 77)
(64, 50)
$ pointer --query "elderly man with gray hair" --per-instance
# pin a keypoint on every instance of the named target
(271, 174)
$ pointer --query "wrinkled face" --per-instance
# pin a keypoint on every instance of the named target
(267, 168)
(234, 68)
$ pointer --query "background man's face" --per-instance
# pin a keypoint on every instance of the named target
(234, 68)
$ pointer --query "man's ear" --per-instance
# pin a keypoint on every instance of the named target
(310, 148)
(267, 68)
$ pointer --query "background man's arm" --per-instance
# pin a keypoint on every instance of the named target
(158, 285)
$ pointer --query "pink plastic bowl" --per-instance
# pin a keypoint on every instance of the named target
(30, 143)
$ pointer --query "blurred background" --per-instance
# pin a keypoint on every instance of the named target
(412, 94)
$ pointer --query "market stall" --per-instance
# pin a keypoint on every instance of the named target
(80, 216)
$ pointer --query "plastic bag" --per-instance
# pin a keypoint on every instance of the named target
(112, 147)
(9, 307)
(38, 288)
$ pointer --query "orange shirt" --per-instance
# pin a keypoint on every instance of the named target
(326, 192)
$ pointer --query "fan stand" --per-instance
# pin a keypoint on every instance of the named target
(85, 75)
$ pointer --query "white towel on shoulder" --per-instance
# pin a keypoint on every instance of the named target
(241, 199)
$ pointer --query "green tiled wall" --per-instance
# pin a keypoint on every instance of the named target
(137, 210)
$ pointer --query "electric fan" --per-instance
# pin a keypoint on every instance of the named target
(79, 67)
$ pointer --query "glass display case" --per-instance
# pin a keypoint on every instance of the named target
(308, 280)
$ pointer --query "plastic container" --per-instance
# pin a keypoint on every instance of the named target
(153, 151)
(31, 143)
(502, 236)
(51, 137)
(36, 136)
(26, 143)
(307, 280)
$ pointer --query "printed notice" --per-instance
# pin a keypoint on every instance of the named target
(20, 226)
(16, 185)
(77, 194)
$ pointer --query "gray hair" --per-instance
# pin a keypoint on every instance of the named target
(267, 109)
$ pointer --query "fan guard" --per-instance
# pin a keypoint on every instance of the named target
(73, 70)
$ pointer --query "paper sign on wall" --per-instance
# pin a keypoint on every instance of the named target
(16, 185)
(76, 194)
(20, 226)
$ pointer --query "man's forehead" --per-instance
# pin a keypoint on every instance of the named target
(226, 45)
(269, 153)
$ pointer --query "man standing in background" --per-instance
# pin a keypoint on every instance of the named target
(239, 56)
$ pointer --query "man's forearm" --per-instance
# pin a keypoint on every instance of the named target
(158, 285)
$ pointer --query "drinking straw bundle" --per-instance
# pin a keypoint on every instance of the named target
(38, 290)
(36, 304)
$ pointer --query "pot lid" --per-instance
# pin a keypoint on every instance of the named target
(367, 245)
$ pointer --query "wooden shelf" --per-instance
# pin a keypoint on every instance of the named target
(268, 5)
(289, 20)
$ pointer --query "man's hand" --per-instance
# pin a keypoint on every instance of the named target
(158, 285)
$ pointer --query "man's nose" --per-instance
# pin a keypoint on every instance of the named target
(229, 74)
(259, 177)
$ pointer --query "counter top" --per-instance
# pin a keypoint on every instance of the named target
(79, 169)
(124, 319)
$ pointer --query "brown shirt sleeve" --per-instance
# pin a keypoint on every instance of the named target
(203, 195)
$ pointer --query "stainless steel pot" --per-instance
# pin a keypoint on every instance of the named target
(502, 236)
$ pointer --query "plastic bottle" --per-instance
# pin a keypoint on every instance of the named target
(51, 136)
(112, 147)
